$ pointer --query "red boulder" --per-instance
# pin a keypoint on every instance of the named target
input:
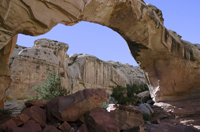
(7, 124)
(40, 103)
(65, 127)
(37, 110)
(101, 121)
(72, 107)
(31, 126)
(50, 128)
(83, 128)
(21, 119)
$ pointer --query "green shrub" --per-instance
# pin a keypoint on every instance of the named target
(135, 89)
(146, 117)
(5, 112)
(127, 95)
(105, 105)
(50, 89)
(69, 64)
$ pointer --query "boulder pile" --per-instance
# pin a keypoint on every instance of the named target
(78, 112)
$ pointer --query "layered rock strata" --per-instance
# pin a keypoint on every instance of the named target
(30, 66)
(161, 52)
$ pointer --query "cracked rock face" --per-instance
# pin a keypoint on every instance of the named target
(30, 66)
(172, 65)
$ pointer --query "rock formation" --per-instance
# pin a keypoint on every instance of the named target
(171, 128)
(127, 117)
(197, 45)
(172, 64)
(30, 66)
(5, 81)
(78, 112)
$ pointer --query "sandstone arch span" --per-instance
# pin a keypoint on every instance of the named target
(171, 64)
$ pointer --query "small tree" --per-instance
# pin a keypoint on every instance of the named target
(128, 94)
(120, 94)
(51, 88)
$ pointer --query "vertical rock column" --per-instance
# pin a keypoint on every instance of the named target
(5, 80)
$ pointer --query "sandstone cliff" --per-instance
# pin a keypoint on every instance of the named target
(29, 67)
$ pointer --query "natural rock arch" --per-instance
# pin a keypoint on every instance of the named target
(162, 54)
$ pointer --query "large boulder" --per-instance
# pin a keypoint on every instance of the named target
(72, 107)
(15, 122)
(146, 109)
(144, 96)
(83, 128)
(21, 119)
(128, 118)
(34, 112)
(50, 105)
(101, 121)
(7, 124)
(30, 126)
(49, 128)
(40, 103)
(65, 127)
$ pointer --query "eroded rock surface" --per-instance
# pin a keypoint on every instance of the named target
(128, 118)
(30, 66)
(72, 107)
(68, 110)
(172, 64)
(5, 81)
(180, 112)
(171, 128)
(101, 120)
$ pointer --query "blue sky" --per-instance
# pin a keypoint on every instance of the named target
(181, 16)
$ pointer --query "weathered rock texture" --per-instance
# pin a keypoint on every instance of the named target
(5, 81)
(171, 128)
(101, 121)
(172, 64)
(127, 117)
(180, 112)
(78, 112)
(29, 67)
(197, 45)
(72, 107)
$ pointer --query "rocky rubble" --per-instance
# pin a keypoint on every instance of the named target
(183, 112)
(74, 113)
(166, 127)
